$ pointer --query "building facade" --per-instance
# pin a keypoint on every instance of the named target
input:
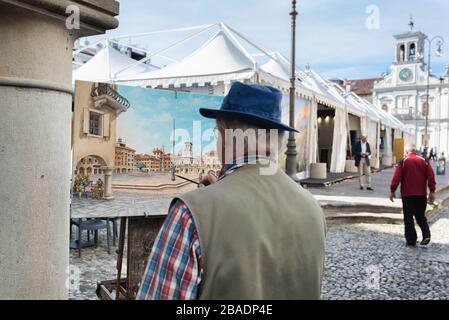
(163, 158)
(362, 87)
(147, 163)
(403, 92)
(88, 166)
(187, 163)
(125, 158)
(159, 161)
(94, 122)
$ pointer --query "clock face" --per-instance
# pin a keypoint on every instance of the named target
(406, 74)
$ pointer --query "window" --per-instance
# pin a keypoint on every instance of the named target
(94, 123)
(402, 53)
(412, 53)
(405, 102)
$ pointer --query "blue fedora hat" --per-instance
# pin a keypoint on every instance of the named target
(260, 105)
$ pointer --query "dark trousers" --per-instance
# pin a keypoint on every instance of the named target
(415, 206)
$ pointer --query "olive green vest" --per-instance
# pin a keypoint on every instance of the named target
(261, 237)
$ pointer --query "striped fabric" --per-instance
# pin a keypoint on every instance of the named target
(174, 269)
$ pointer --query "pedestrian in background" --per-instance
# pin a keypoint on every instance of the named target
(431, 154)
(362, 151)
(414, 174)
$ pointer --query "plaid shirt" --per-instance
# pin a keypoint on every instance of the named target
(174, 269)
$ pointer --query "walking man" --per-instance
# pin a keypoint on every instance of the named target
(414, 174)
(249, 234)
(362, 152)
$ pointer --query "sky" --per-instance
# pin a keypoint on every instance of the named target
(346, 39)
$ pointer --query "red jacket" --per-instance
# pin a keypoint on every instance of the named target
(414, 174)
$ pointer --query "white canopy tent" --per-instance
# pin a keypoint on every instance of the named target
(218, 60)
(106, 63)
(276, 72)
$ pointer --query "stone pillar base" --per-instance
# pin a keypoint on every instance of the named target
(387, 160)
(350, 166)
(318, 171)
(107, 195)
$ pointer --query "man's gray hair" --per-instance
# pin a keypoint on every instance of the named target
(411, 148)
(244, 126)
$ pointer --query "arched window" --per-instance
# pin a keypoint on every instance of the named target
(402, 53)
(412, 52)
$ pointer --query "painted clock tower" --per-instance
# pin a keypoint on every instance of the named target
(403, 92)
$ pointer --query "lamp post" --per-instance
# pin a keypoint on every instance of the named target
(172, 162)
(290, 163)
(426, 108)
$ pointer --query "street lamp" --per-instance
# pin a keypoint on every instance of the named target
(172, 162)
(290, 163)
(438, 53)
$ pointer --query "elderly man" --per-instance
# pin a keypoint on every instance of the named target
(414, 174)
(253, 233)
(362, 151)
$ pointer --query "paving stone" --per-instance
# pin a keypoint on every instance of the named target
(363, 261)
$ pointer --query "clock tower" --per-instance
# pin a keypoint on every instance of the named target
(403, 92)
(409, 62)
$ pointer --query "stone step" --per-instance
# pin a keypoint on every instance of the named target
(157, 187)
(360, 208)
(364, 217)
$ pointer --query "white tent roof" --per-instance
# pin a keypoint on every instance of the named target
(106, 63)
(219, 59)
(277, 69)
(322, 89)
(333, 95)
(224, 59)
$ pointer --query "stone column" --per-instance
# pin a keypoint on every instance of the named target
(35, 139)
(108, 183)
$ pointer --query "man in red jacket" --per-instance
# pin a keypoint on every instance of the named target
(415, 174)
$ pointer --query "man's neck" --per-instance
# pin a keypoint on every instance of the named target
(239, 161)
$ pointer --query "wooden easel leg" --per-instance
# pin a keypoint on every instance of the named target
(121, 245)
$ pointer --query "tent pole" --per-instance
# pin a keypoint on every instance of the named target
(229, 33)
(91, 45)
(136, 35)
(266, 52)
(108, 60)
(146, 51)
(165, 49)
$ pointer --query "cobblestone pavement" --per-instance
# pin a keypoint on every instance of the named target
(348, 191)
(371, 261)
(94, 265)
(363, 261)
